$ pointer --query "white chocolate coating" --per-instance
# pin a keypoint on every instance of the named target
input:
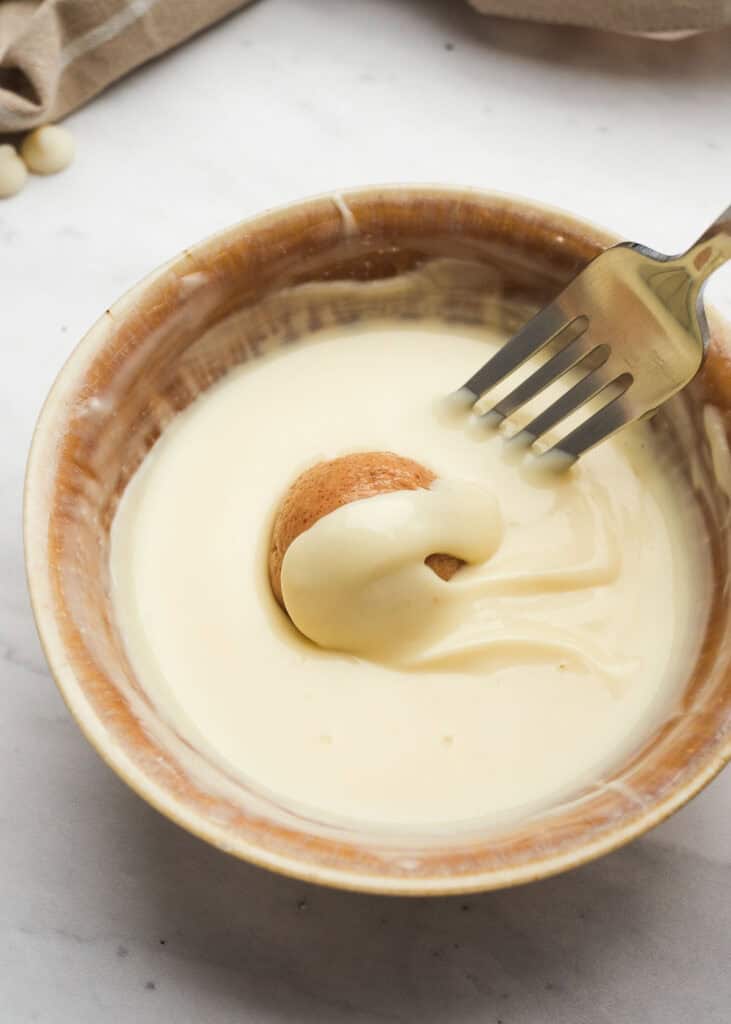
(357, 580)
(48, 149)
(13, 172)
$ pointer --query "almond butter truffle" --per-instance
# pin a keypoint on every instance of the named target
(329, 485)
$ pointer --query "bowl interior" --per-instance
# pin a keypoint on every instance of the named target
(464, 257)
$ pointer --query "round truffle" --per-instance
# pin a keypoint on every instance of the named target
(48, 150)
(13, 173)
(328, 486)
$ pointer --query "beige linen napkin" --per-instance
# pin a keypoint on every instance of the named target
(57, 54)
(646, 17)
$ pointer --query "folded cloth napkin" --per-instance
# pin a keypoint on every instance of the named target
(645, 17)
(57, 54)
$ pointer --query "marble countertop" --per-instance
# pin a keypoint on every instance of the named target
(112, 913)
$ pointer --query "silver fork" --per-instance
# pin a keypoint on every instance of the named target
(630, 327)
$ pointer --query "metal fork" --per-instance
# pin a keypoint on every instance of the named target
(630, 332)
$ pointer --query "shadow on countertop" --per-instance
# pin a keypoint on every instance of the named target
(583, 947)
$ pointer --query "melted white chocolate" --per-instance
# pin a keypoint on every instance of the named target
(357, 581)
(528, 675)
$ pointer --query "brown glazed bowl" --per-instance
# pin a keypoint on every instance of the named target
(466, 256)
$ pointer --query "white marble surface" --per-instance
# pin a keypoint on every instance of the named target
(111, 913)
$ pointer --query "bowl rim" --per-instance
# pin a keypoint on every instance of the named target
(36, 517)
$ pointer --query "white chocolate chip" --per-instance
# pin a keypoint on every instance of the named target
(13, 173)
(48, 149)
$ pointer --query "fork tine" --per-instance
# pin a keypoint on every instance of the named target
(581, 392)
(530, 339)
(544, 376)
(604, 422)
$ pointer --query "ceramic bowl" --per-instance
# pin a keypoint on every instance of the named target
(466, 256)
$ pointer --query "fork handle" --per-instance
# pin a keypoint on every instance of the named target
(712, 249)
